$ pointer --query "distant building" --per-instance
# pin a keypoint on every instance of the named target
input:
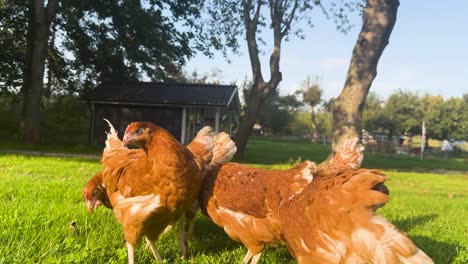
(180, 108)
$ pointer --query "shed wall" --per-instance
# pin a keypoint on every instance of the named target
(120, 116)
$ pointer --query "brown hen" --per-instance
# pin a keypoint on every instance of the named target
(332, 221)
(209, 150)
(148, 189)
(244, 201)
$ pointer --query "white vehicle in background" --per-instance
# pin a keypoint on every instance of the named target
(460, 144)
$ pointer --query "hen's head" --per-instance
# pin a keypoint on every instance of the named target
(95, 194)
(138, 134)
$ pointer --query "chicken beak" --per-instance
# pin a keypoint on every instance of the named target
(125, 139)
(90, 205)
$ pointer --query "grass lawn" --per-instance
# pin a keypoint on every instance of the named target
(41, 196)
(266, 151)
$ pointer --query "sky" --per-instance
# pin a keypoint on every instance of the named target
(427, 53)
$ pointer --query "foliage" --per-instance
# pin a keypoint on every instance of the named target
(128, 39)
(405, 111)
(453, 120)
(300, 123)
(277, 112)
(13, 31)
(228, 20)
(66, 120)
(95, 41)
(9, 115)
(223, 24)
(82, 43)
(324, 122)
(372, 110)
(312, 96)
(214, 77)
(311, 92)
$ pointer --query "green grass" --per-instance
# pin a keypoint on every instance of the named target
(266, 151)
(41, 196)
(9, 144)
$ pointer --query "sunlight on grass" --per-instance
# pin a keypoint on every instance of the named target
(41, 197)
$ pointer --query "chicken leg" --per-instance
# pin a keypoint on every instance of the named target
(131, 253)
(251, 257)
(183, 244)
(154, 249)
(255, 258)
(247, 257)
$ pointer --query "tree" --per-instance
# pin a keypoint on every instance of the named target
(229, 19)
(116, 40)
(431, 111)
(454, 119)
(402, 113)
(40, 18)
(312, 96)
(13, 32)
(371, 112)
(277, 112)
(461, 131)
(379, 17)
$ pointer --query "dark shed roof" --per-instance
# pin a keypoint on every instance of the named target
(164, 93)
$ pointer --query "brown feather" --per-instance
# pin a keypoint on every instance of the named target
(335, 223)
(149, 188)
(244, 200)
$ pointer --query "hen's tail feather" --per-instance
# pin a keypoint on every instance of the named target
(202, 146)
(113, 141)
(349, 154)
(363, 184)
(386, 244)
(223, 150)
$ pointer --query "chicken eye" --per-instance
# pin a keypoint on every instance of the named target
(139, 131)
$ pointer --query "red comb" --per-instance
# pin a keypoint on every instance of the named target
(128, 128)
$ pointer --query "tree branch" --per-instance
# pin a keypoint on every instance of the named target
(275, 74)
(257, 13)
(287, 23)
(251, 36)
(272, 8)
(246, 4)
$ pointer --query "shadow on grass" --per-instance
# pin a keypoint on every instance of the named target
(408, 224)
(210, 238)
(440, 251)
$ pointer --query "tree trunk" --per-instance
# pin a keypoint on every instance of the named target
(390, 134)
(248, 121)
(40, 18)
(379, 17)
(314, 124)
(260, 89)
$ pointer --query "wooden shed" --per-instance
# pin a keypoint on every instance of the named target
(181, 108)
